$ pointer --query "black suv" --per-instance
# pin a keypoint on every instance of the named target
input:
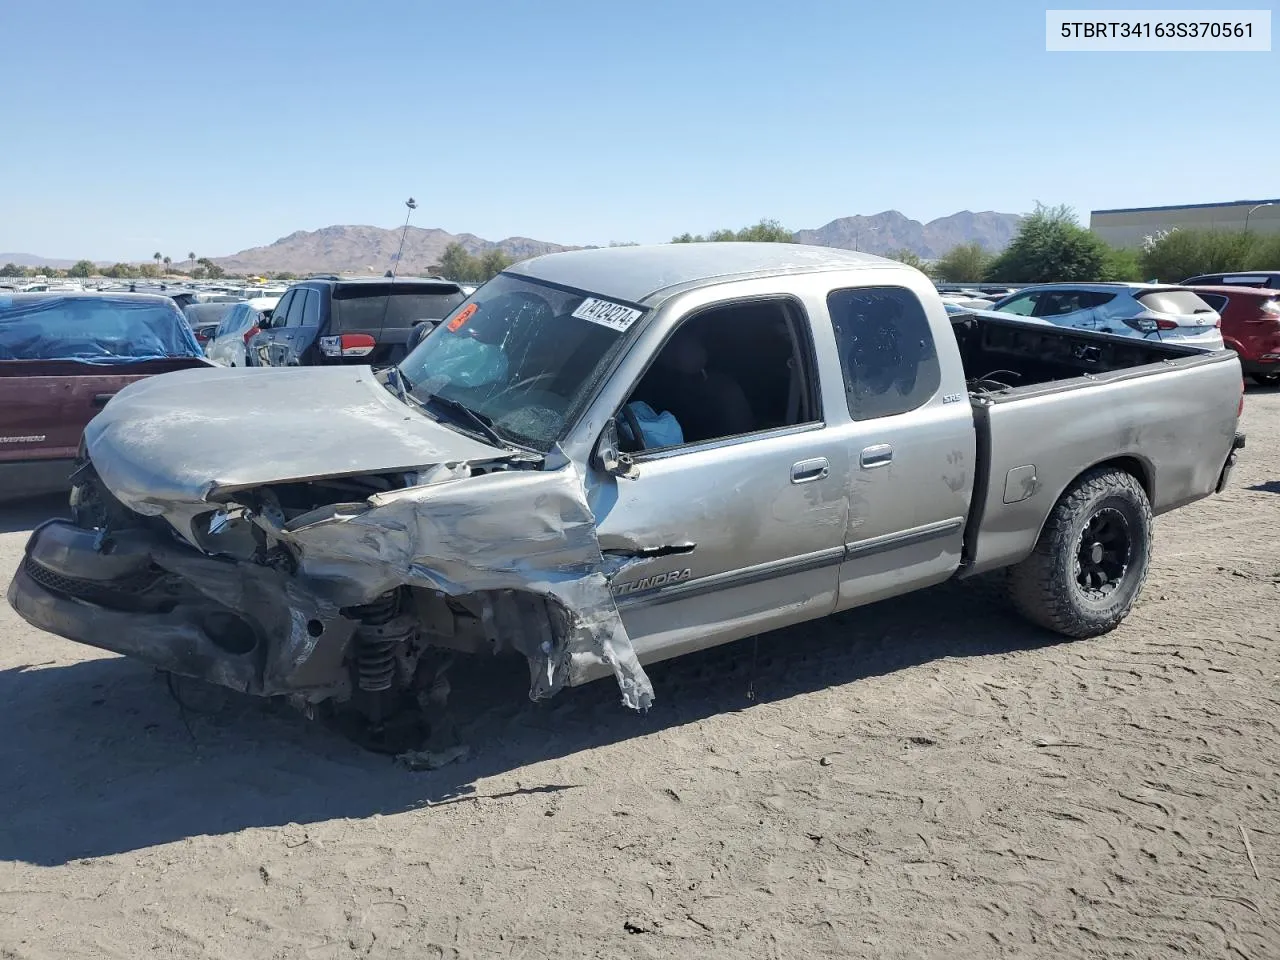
(326, 320)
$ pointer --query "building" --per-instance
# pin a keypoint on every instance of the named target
(1128, 227)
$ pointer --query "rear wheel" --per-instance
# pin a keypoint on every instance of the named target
(1091, 560)
(1266, 379)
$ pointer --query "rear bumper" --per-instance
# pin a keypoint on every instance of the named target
(235, 624)
(32, 478)
(1236, 445)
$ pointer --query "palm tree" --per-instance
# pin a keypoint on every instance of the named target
(192, 257)
(167, 262)
(157, 258)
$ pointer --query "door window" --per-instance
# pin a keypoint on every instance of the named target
(298, 307)
(282, 308)
(1060, 303)
(726, 372)
(1021, 305)
(886, 350)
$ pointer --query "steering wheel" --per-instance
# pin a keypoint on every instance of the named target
(633, 424)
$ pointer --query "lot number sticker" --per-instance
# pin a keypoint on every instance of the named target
(607, 314)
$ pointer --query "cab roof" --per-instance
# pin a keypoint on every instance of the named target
(646, 274)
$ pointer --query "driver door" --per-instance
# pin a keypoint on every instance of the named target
(733, 535)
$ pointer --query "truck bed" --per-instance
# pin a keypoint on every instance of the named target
(1049, 401)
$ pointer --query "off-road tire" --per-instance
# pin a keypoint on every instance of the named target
(1045, 587)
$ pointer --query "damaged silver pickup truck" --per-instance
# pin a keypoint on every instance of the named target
(605, 458)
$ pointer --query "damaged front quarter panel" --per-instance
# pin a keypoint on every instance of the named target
(527, 531)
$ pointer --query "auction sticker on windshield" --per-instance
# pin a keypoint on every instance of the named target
(607, 314)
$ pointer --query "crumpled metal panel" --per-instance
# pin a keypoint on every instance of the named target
(525, 530)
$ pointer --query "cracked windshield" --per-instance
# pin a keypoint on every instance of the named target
(520, 355)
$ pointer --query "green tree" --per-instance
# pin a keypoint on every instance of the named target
(167, 263)
(1121, 264)
(456, 264)
(492, 263)
(211, 269)
(909, 257)
(284, 275)
(1175, 255)
(82, 268)
(12, 270)
(765, 231)
(1050, 246)
(964, 263)
(191, 257)
(157, 257)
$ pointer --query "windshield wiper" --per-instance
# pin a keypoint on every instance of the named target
(400, 384)
(478, 420)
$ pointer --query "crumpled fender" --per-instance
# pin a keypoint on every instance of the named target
(526, 530)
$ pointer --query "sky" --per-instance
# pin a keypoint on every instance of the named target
(144, 126)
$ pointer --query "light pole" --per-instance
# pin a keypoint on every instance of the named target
(1249, 212)
(412, 204)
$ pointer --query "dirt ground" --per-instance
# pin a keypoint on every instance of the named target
(929, 777)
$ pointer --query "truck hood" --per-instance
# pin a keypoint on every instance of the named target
(198, 435)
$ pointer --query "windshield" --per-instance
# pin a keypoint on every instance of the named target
(93, 329)
(517, 354)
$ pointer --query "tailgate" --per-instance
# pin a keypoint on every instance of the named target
(1173, 422)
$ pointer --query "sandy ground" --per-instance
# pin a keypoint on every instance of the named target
(929, 777)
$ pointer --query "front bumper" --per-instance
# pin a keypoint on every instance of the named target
(1236, 445)
(144, 595)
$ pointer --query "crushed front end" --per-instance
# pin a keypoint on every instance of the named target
(300, 589)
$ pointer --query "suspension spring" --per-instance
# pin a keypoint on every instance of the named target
(381, 631)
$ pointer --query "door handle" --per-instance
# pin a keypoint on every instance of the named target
(881, 455)
(806, 471)
(100, 399)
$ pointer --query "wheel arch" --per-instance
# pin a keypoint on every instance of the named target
(1137, 467)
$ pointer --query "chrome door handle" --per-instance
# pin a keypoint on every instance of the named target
(881, 455)
(809, 470)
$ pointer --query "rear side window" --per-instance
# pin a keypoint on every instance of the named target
(364, 306)
(1184, 302)
(311, 311)
(1215, 300)
(886, 350)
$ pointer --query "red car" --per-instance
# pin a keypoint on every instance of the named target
(62, 358)
(1250, 327)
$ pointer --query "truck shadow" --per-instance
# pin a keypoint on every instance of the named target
(100, 760)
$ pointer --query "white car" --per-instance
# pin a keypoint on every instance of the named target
(1145, 310)
(227, 346)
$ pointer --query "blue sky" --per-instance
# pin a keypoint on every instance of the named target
(215, 127)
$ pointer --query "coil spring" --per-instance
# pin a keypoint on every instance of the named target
(379, 634)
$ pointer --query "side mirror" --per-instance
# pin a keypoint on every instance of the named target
(609, 458)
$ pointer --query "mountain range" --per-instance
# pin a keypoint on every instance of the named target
(371, 250)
